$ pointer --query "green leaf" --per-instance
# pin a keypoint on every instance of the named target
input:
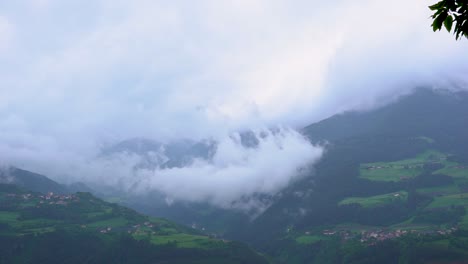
(437, 6)
(438, 21)
(448, 22)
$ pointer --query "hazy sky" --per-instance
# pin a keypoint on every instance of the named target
(76, 74)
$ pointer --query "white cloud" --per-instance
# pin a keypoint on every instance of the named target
(232, 178)
(237, 172)
(83, 73)
(6, 35)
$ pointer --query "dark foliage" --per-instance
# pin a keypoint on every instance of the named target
(451, 13)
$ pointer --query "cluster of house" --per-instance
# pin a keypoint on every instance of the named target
(195, 226)
(135, 229)
(380, 235)
(413, 166)
(142, 229)
(147, 224)
(105, 230)
(49, 198)
(61, 199)
(373, 236)
(376, 167)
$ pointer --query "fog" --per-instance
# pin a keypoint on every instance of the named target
(77, 76)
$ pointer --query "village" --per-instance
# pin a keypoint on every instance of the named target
(49, 198)
(373, 236)
(38, 200)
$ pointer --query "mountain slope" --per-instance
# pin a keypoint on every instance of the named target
(79, 228)
(30, 181)
(398, 167)
(440, 115)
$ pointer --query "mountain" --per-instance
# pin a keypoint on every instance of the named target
(30, 181)
(176, 154)
(436, 114)
(38, 183)
(163, 155)
(80, 228)
(392, 187)
(402, 167)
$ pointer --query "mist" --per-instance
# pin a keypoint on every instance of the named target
(78, 76)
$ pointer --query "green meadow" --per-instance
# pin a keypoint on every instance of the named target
(409, 168)
(34, 215)
(378, 200)
(449, 200)
(440, 190)
(309, 239)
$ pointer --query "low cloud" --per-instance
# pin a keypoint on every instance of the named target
(77, 76)
(236, 172)
(236, 175)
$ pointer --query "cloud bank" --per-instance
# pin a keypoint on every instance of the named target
(79, 75)
(235, 173)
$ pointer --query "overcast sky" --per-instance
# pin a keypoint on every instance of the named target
(77, 74)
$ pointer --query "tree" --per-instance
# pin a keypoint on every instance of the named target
(449, 13)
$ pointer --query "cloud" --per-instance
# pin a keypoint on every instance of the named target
(236, 176)
(236, 172)
(6, 35)
(82, 74)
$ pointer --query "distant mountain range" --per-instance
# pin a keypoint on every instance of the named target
(163, 155)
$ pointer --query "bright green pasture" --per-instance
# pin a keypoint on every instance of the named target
(378, 200)
(390, 174)
(453, 169)
(402, 169)
(308, 239)
(181, 240)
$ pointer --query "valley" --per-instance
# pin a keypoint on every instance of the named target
(390, 187)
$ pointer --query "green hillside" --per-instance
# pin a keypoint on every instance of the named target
(79, 228)
(391, 187)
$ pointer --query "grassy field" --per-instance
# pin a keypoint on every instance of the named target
(308, 239)
(440, 190)
(449, 200)
(158, 231)
(112, 222)
(409, 225)
(390, 174)
(8, 217)
(378, 200)
(400, 170)
(453, 169)
(410, 168)
(353, 227)
(464, 222)
(181, 240)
